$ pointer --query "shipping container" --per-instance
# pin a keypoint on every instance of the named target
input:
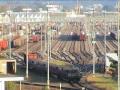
(3, 44)
(19, 41)
(13, 38)
(32, 56)
(36, 38)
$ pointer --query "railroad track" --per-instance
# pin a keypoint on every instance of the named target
(38, 47)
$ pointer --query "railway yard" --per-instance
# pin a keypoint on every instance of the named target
(71, 44)
(49, 48)
(68, 46)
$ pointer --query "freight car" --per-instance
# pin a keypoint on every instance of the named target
(74, 36)
(82, 36)
(3, 44)
(113, 35)
(19, 41)
(13, 39)
(65, 73)
(34, 38)
(32, 56)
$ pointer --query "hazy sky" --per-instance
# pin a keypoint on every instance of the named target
(66, 3)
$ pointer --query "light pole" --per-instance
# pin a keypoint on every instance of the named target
(48, 51)
(2, 27)
(60, 86)
(50, 42)
(10, 34)
(48, 80)
(118, 31)
(93, 44)
(41, 28)
(105, 27)
(41, 36)
(46, 27)
(27, 10)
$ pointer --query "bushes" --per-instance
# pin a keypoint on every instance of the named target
(10, 86)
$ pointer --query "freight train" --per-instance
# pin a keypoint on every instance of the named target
(18, 41)
(81, 37)
(74, 36)
(66, 73)
(15, 41)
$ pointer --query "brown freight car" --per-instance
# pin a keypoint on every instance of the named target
(19, 41)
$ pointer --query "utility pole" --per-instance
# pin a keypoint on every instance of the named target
(10, 34)
(26, 11)
(118, 18)
(105, 27)
(93, 44)
(48, 51)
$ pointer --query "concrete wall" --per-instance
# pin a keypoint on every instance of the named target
(3, 68)
(3, 64)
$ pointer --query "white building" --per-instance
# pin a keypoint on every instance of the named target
(7, 72)
(54, 8)
(73, 17)
(113, 56)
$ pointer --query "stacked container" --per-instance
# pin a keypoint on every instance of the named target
(32, 56)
